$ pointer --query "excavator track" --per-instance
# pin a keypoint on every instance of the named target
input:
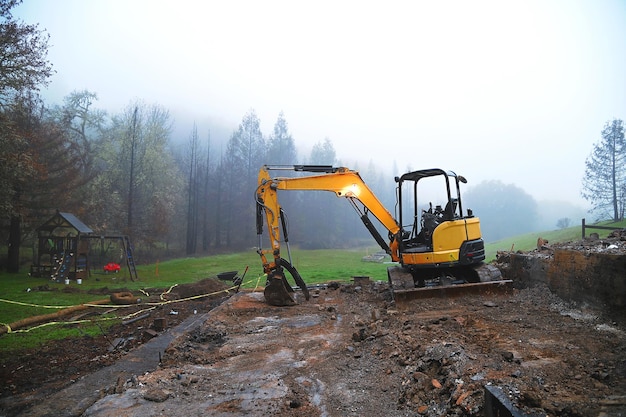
(402, 283)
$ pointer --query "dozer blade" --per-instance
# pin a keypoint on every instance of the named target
(277, 292)
(403, 288)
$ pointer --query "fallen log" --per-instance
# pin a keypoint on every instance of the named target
(29, 321)
(124, 298)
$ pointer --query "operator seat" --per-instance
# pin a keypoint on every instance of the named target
(450, 211)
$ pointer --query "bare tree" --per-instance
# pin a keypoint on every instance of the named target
(319, 212)
(220, 198)
(563, 223)
(206, 237)
(133, 144)
(83, 123)
(192, 193)
(137, 164)
(246, 152)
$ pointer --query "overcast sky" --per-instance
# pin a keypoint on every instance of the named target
(516, 91)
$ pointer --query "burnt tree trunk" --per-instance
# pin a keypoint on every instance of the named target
(15, 240)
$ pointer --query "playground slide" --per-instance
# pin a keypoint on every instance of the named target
(63, 269)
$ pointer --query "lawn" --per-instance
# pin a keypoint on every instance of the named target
(22, 296)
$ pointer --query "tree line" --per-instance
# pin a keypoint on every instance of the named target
(120, 173)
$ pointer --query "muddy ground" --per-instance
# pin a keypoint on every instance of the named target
(348, 351)
(30, 377)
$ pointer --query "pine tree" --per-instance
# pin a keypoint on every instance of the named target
(604, 184)
(282, 148)
(245, 153)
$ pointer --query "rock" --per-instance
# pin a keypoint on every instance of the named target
(156, 395)
(189, 380)
(359, 336)
(542, 244)
(419, 376)
(149, 333)
(478, 377)
(531, 398)
(462, 397)
(119, 386)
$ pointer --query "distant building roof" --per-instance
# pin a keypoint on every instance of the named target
(65, 220)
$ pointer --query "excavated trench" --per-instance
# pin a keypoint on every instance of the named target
(591, 272)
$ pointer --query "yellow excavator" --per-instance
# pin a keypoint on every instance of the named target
(430, 247)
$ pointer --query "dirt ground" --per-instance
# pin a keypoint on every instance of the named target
(36, 373)
(349, 351)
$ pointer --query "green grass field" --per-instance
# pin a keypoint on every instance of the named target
(315, 266)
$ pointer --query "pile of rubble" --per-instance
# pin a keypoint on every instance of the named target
(614, 243)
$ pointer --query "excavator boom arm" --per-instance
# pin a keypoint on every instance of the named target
(341, 181)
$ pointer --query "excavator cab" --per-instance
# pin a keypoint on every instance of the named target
(422, 219)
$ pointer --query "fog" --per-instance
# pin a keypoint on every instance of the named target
(511, 91)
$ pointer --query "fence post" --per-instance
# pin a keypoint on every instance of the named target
(583, 228)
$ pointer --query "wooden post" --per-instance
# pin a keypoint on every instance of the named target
(583, 228)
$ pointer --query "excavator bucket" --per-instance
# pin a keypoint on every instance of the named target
(278, 291)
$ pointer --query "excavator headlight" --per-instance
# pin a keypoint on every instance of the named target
(353, 191)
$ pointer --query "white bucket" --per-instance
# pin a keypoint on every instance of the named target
(79, 281)
(67, 281)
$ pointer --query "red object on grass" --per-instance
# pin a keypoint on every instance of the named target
(112, 267)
